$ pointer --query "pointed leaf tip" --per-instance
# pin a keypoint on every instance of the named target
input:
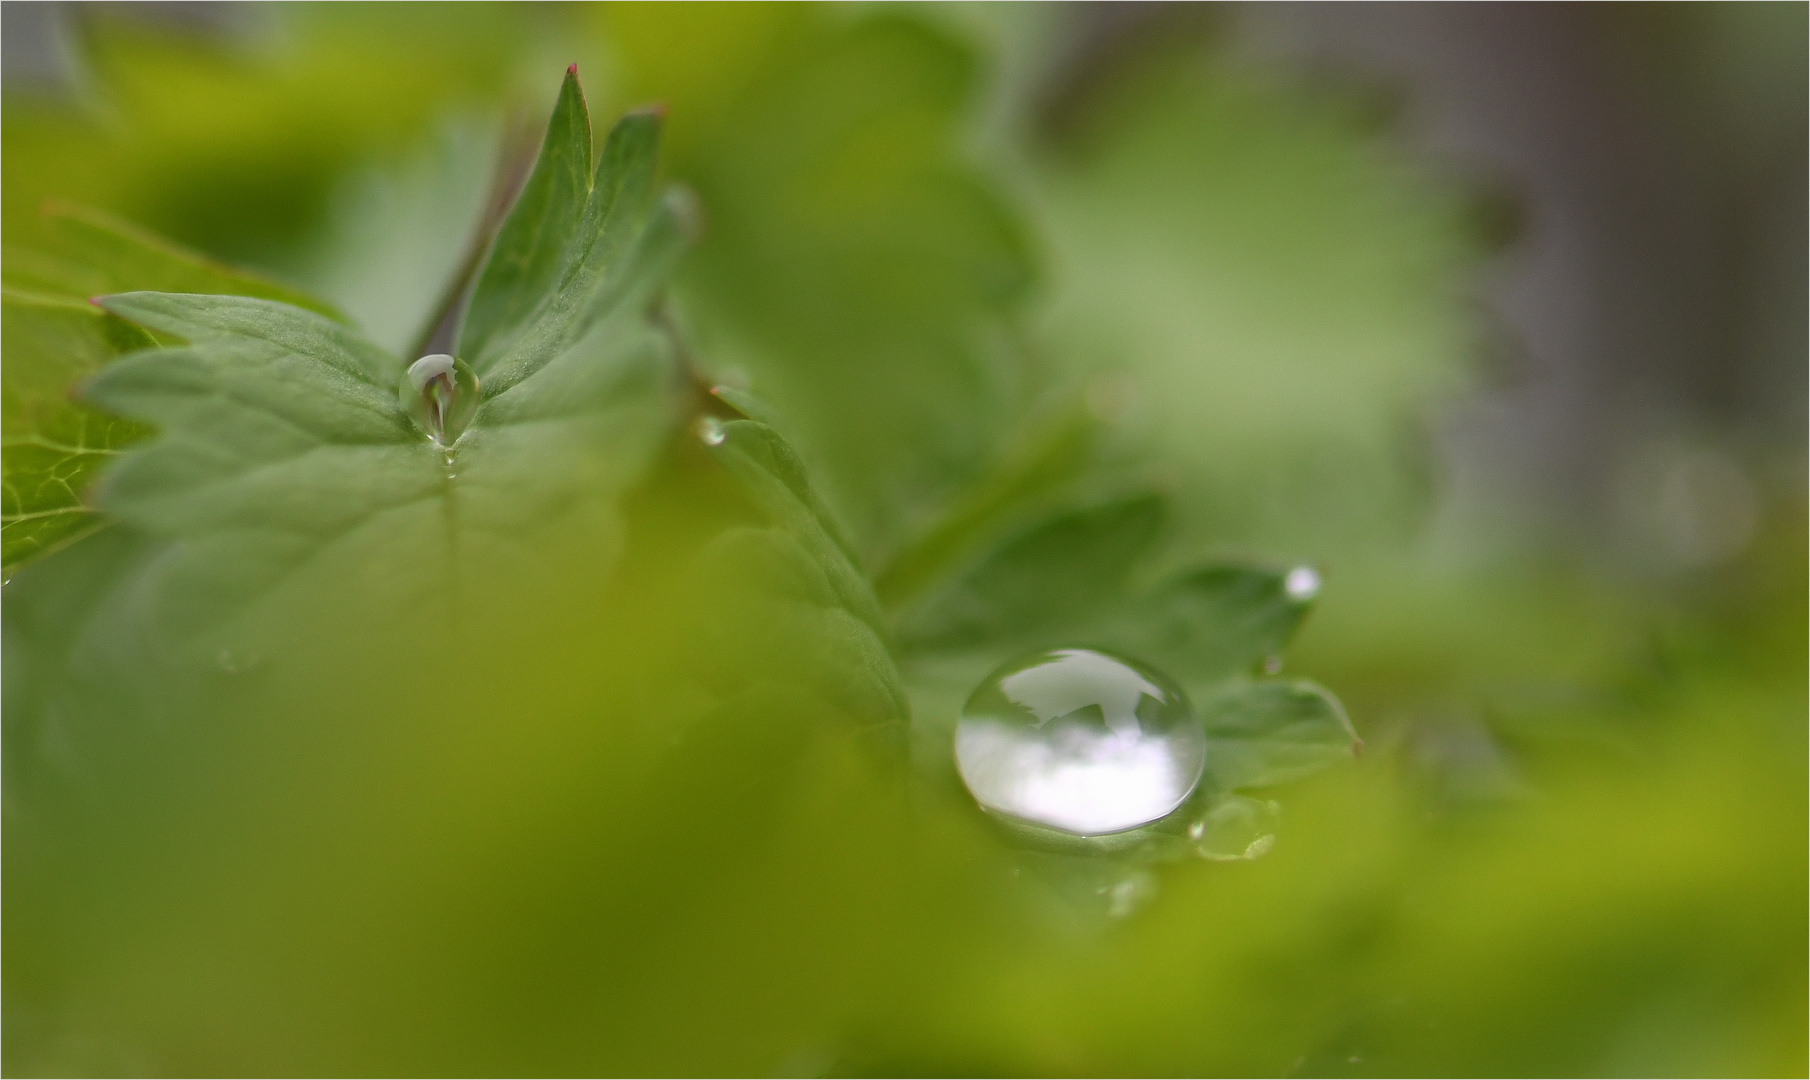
(572, 69)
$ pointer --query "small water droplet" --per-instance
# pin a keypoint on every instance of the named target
(1272, 664)
(1235, 828)
(1302, 584)
(1079, 741)
(710, 429)
(440, 393)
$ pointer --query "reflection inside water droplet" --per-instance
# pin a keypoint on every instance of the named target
(710, 429)
(1080, 741)
(440, 393)
(1302, 583)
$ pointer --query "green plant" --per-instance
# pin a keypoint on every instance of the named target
(281, 492)
(615, 736)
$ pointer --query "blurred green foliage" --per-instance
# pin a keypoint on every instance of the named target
(617, 778)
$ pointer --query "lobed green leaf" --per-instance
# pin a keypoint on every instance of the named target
(53, 338)
(1274, 732)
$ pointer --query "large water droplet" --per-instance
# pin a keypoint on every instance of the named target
(1080, 741)
(710, 429)
(441, 394)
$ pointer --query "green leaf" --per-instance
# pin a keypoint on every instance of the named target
(1274, 732)
(287, 465)
(1050, 455)
(858, 268)
(1212, 622)
(826, 618)
(1275, 281)
(756, 453)
(90, 253)
(53, 447)
(53, 338)
(572, 245)
(529, 250)
(748, 404)
(1069, 579)
(1051, 578)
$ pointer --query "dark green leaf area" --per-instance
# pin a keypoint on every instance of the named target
(1051, 578)
(1273, 732)
(1211, 622)
(577, 244)
(1070, 580)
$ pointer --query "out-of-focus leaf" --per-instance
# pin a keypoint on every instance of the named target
(89, 252)
(399, 234)
(1273, 732)
(241, 158)
(1278, 285)
(854, 265)
(53, 446)
(54, 338)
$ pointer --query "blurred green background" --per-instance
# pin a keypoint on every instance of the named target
(1493, 314)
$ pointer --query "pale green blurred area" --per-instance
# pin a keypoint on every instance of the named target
(628, 833)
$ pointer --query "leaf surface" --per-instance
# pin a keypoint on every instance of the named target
(1274, 732)
(53, 338)
(826, 619)
(288, 464)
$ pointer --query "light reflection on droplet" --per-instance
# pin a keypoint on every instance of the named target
(1301, 584)
(1079, 741)
(710, 429)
